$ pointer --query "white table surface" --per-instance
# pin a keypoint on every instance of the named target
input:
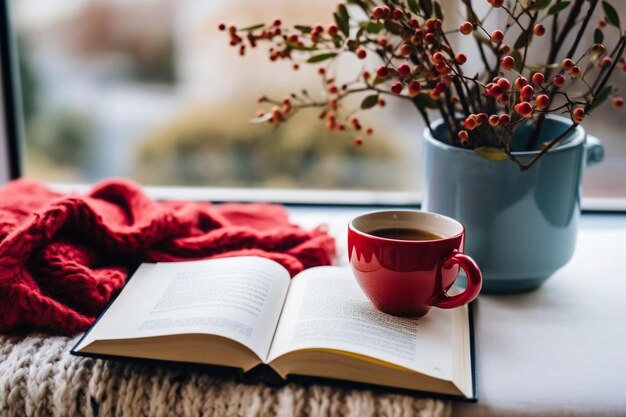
(556, 351)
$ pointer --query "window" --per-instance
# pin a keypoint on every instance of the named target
(150, 90)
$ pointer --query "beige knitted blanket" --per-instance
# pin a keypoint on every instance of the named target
(39, 377)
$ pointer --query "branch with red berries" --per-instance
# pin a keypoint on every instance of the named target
(418, 63)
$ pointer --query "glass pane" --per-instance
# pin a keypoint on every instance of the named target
(150, 90)
(164, 100)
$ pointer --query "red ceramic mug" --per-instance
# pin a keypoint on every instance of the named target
(408, 277)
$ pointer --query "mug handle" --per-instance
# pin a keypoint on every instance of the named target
(595, 150)
(474, 281)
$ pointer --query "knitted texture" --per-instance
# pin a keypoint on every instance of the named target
(62, 257)
(39, 377)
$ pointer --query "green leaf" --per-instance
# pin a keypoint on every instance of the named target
(611, 14)
(343, 12)
(438, 12)
(427, 5)
(558, 7)
(413, 6)
(303, 28)
(601, 97)
(491, 153)
(378, 80)
(337, 41)
(523, 39)
(342, 23)
(393, 27)
(598, 36)
(267, 116)
(321, 57)
(253, 27)
(373, 27)
(295, 46)
(369, 102)
(540, 4)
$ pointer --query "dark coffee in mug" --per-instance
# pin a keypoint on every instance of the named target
(405, 233)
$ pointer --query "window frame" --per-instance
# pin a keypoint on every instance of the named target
(13, 142)
(10, 157)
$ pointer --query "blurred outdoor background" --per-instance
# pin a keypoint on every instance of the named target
(150, 90)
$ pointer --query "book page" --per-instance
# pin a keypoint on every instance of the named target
(326, 309)
(239, 298)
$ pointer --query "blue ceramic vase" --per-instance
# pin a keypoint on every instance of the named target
(521, 226)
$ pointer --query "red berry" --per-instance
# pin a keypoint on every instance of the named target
(494, 120)
(442, 68)
(606, 61)
(567, 64)
(527, 92)
(496, 3)
(382, 71)
(520, 82)
(414, 88)
(460, 58)
(618, 102)
(496, 90)
(575, 71)
(405, 49)
(466, 28)
(558, 80)
(396, 87)
(523, 108)
(382, 102)
(470, 122)
(404, 70)
(332, 29)
(438, 58)
(505, 119)
(381, 12)
(504, 84)
(361, 53)
(508, 62)
(601, 22)
(542, 101)
(538, 78)
(463, 136)
(497, 36)
(578, 115)
(539, 30)
(358, 141)
(397, 14)
(503, 99)
(276, 22)
(598, 49)
(481, 118)
(369, 131)
(221, 27)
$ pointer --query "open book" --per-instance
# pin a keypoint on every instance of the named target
(245, 311)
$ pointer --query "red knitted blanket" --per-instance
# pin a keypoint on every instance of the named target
(62, 257)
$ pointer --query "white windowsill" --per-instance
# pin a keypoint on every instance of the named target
(316, 197)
